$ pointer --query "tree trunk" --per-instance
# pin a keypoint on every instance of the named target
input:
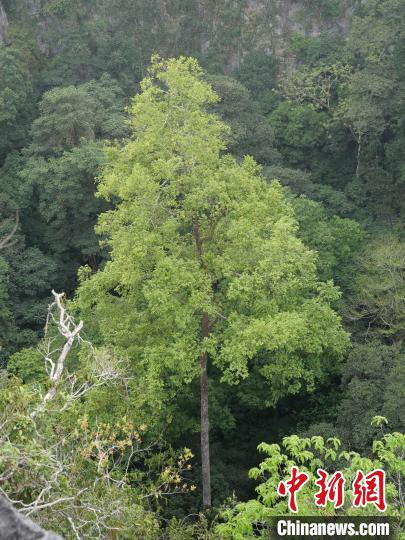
(205, 423)
(358, 155)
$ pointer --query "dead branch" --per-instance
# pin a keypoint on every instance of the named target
(8, 241)
(70, 331)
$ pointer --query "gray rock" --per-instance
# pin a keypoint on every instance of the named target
(14, 526)
(3, 22)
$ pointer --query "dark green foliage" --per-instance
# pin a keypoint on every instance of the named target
(337, 240)
(300, 133)
(52, 185)
(16, 100)
(70, 115)
(7, 327)
(301, 183)
(32, 278)
(372, 385)
(251, 132)
(28, 365)
(64, 187)
(61, 166)
(258, 72)
(65, 119)
(325, 48)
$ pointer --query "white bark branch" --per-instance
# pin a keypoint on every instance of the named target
(7, 240)
(65, 323)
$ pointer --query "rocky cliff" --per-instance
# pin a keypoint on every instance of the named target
(3, 22)
(229, 26)
(13, 526)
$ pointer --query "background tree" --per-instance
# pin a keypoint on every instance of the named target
(371, 386)
(16, 101)
(251, 133)
(377, 296)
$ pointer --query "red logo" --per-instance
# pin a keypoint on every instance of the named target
(369, 489)
(292, 487)
(330, 489)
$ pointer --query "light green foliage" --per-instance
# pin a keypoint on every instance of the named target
(309, 454)
(193, 528)
(314, 91)
(256, 280)
(60, 457)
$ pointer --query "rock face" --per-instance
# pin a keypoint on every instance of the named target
(247, 24)
(268, 24)
(3, 22)
(13, 526)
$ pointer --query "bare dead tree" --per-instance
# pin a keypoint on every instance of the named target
(70, 331)
(8, 240)
(104, 367)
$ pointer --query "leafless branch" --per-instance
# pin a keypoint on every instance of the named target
(70, 331)
(8, 240)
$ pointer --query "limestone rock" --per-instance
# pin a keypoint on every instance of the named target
(14, 526)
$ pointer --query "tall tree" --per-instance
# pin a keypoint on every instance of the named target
(205, 262)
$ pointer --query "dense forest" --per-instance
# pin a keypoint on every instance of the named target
(218, 189)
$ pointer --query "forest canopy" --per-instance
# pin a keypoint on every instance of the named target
(201, 260)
